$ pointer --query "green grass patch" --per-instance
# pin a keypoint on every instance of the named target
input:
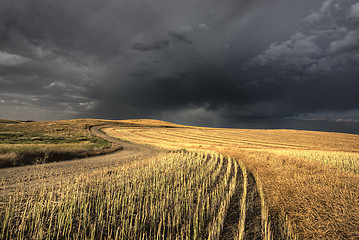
(23, 143)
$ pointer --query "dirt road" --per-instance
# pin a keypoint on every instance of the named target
(51, 172)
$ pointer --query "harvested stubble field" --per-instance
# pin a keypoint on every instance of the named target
(178, 195)
(299, 185)
(310, 179)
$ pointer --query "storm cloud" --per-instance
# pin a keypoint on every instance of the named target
(186, 61)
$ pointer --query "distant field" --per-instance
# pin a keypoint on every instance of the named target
(192, 137)
(310, 177)
(23, 143)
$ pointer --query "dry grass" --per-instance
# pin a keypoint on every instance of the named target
(180, 195)
(195, 137)
(305, 186)
(348, 161)
(23, 143)
(320, 201)
(308, 177)
(150, 123)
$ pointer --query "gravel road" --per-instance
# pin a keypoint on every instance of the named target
(33, 175)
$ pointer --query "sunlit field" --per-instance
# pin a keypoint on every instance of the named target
(310, 178)
(208, 184)
(23, 143)
(180, 195)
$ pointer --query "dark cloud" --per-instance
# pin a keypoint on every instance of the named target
(354, 12)
(176, 36)
(180, 36)
(151, 46)
(327, 42)
(203, 60)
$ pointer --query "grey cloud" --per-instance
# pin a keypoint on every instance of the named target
(349, 42)
(204, 27)
(354, 12)
(319, 48)
(177, 59)
(7, 59)
(323, 13)
(152, 46)
(297, 53)
(193, 115)
(180, 36)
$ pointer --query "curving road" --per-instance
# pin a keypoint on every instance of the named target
(52, 172)
(135, 150)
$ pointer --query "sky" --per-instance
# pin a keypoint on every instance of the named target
(204, 62)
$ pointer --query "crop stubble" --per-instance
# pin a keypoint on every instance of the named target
(309, 178)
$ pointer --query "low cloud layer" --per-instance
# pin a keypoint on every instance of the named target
(185, 61)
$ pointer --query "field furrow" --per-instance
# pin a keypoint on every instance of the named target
(179, 195)
(301, 173)
(224, 138)
(188, 139)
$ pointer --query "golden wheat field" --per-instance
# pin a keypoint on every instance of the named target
(206, 183)
(179, 195)
(309, 178)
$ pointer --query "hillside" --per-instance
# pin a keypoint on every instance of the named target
(24, 143)
(8, 121)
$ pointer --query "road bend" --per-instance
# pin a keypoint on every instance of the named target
(33, 175)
